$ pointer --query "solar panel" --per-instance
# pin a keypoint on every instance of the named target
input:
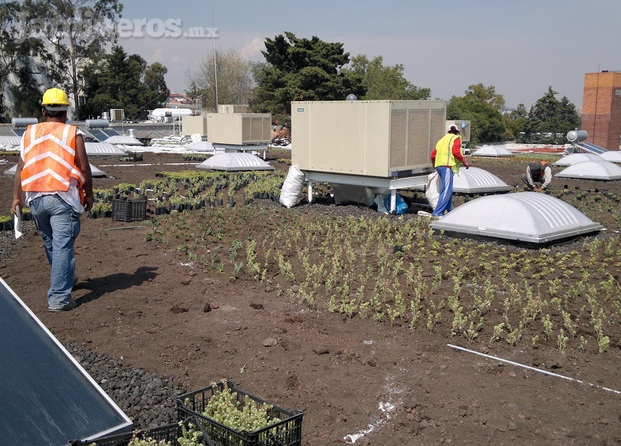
(110, 132)
(18, 131)
(98, 134)
(591, 148)
(47, 397)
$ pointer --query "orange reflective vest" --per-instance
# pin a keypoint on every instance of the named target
(49, 158)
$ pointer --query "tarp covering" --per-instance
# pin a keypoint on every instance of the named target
(492, 151)
(576, 158)
(592, 170)
(524, 216)
(234, 162)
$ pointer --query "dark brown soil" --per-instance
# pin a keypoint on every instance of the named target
(357, 380)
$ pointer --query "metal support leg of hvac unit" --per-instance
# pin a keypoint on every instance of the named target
(386, 183)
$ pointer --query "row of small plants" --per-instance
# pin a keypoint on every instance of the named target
(189, 190)
(397, 271)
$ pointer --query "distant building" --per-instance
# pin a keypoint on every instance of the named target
(175, 98)
(601, 108)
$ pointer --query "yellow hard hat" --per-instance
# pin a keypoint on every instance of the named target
(55, 99)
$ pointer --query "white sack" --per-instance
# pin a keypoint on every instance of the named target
(432, 190)
(292, 187)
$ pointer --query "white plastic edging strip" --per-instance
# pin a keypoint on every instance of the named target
(534, 369)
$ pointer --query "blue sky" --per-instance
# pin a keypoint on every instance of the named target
(519, 46)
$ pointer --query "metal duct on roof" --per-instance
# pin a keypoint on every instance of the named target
(234, 162)
(478, 181)
(493, 151)
(576, 158)
(524, 216)
(614, 156)
(592, 170)
(102, 148)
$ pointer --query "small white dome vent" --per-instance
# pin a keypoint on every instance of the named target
(493, 151)
(576, 158)
(478, 181)
(123, 140)
(232, 162)
(592, 170)
(202, 146)
(530, 217)
(102, 148)
(614, 156)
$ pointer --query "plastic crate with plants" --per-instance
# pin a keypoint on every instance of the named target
(231, 417)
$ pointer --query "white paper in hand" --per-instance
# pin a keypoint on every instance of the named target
(17, 222)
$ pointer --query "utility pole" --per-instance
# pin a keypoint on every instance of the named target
(215, 59)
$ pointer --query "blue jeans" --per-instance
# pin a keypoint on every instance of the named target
(445, 200)
(59, 226)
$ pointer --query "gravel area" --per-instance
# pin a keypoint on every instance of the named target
(147, 399)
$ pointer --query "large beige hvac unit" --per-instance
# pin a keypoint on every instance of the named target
(239, 129)
(371, 138)
(194, 124)
(233, 108)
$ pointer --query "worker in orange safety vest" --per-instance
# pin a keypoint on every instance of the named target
(55, 175)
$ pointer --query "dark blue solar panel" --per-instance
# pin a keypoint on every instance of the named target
(47, 398)
(110, 132)
(591, 148)
(98, 134)
(18, 131)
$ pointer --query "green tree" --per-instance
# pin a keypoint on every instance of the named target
(78, 31)
(298, 69)
(234, 81)
(385, 82)
(514, 122)
(481, 106)
(123, 81)
(17, 45)
(549, 119)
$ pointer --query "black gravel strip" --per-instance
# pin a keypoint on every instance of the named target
(147, 399)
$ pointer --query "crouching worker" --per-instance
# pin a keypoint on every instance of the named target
(446, 157)
(54, 172)
(538, 176)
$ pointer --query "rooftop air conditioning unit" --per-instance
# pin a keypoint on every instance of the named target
(117, 114)
(387, 139)
(239, 129)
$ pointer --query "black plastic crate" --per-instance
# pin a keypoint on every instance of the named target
(287, 432)
(168, 433)
(132, 209)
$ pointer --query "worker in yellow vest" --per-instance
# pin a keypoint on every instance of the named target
(55, 175)
(446, 157)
